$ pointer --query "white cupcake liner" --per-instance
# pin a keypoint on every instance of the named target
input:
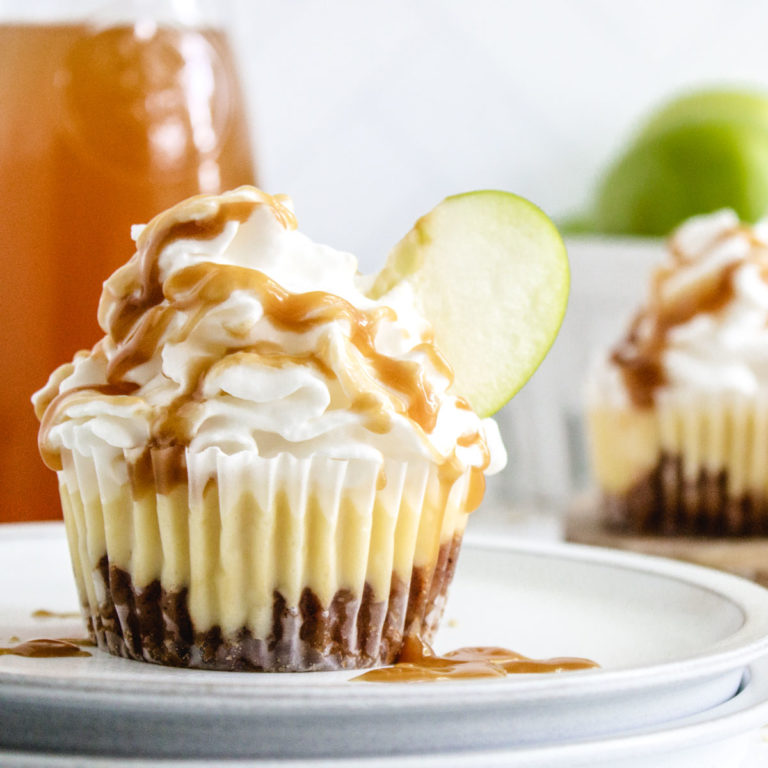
(261, 563)
(694, 463)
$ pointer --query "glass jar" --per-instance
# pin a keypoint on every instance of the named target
(110, 114)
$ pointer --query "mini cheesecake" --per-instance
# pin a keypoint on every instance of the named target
(678, 412)
(260, 466)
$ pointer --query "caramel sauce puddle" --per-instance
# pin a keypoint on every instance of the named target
(419, 663)
(43, 613)
(46, 648)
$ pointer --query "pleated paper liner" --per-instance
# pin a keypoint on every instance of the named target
(703, 469)
(279, 564)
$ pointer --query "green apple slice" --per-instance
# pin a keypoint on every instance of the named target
(490, 272)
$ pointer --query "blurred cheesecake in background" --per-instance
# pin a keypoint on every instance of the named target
(701, 152)
(676, 396)
(678, 410)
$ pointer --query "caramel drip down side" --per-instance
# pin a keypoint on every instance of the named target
(639, 354)
(118, 390)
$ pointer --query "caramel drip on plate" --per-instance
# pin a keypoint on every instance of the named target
(83, 642)
(44, 648)
(639, 354)
(419, 663)
(42, 613)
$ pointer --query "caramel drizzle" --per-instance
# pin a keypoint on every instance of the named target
(83, 642)
(117, 392)
(475, 487)
(639, 354)
(44, 648)
(142, 317)
(419, 663)
(164, 230)
(209, 283)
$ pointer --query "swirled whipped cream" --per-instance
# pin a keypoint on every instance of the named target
(705, 324)
(230, 329)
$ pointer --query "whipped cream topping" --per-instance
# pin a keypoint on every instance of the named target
(705, 324)
(230, 329)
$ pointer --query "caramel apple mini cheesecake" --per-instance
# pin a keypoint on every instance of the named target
(264, 464)
(678, 413)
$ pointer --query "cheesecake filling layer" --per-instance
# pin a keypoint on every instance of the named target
(257, 527)
(712, 433)
(694, 463)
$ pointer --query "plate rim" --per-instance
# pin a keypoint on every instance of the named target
(745, 711)
(742, 647)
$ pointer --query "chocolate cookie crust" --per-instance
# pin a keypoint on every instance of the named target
(666, 501)
(353, 632)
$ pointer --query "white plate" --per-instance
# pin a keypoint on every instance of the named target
(673, 641)
(723, 737)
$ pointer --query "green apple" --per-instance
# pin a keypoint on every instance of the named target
(490, 272)
(716, 104)
(687, 169)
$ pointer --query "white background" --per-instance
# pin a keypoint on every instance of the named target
(370, 112)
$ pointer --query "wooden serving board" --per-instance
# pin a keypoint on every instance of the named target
(746, 557)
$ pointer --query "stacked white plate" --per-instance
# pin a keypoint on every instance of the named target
(682, 678)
